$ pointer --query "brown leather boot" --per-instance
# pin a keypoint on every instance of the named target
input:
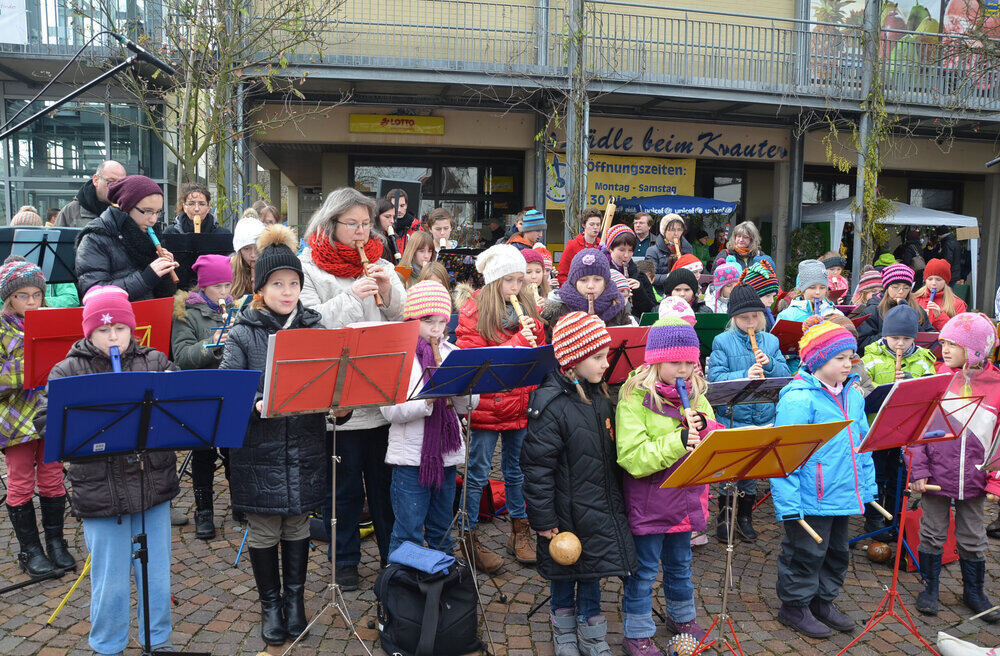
(485, 560)
(520, 545)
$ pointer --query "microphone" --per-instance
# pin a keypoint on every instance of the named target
(143, 54)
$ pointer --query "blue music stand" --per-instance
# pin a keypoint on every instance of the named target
(150, 411)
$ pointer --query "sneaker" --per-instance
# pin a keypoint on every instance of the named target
(699, 539)
(800, 618)
(691, 628)
(828, 614)
(641, 647)
(347, 577)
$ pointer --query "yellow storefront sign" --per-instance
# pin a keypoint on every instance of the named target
(394, 124)
(622, 178)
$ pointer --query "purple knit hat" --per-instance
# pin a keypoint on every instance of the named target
(973, 332)
(672, 340)
(128, 191)
(588, 262)
(897, 273)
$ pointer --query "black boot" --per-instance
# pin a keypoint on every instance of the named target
(930, 567)
(973, 594)
(53, 515)
(744, 518)
(31, 558)
(873, 520)
(722, 522)
(265, 573)
(993, 530)
(294, 561)
(204, 518)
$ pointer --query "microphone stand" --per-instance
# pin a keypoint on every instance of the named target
(71, 95)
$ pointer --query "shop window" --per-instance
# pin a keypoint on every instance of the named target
(943, 199)
(366, 176)
(728, 188)
(459, 180)
(815, 192)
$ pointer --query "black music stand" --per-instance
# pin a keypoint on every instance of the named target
(154, 411)
(490, 370)
(52, 249)
(188, 247)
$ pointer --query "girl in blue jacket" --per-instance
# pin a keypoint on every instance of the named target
(733, 358)
(835, 483)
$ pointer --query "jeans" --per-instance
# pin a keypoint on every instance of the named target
(481, 447)
(584, 596)
(362, 470)
(110, 544)
(673, 551)
(25, 470)
(809, 570)
(421, 512)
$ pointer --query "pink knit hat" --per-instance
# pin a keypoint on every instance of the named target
(426, 298)
(616, 231)
(104, 305)
(531, 255)
(973, 332)
(897, 273)
(212, 270)
(678, 308)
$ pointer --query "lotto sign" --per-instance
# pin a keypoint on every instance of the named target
(609, 176)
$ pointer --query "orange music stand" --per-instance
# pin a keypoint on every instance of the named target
(737, 454)
(919, 410)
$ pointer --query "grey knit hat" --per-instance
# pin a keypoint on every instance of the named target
(16, 273)
(811, 272)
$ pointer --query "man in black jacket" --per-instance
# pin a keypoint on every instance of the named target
(92, 199)
(951, 251)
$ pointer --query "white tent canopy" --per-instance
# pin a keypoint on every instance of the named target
(839, 213)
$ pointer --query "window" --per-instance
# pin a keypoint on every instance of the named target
(824, 190)
(68, 142)
(934, 199)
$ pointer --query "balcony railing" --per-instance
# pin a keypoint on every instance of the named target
(626, 42)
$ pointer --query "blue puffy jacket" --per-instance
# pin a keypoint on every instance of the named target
(836, 480)
(730, 359)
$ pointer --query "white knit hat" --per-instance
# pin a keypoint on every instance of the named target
(500, 260)
(246, 232)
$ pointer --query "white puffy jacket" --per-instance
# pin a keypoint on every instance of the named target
(333, 298)
(406, 434)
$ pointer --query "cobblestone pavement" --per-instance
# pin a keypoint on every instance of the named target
(217, 609)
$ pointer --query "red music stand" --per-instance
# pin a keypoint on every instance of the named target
(910, 409)
(626, 351)
(788, 333)
(49, 333)
(317, 370)
(737, 454)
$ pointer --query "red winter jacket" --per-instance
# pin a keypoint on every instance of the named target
(573, 247)
(495, 412)
(939, 319)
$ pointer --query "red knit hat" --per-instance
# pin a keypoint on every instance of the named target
(689, 262)
(531, 255)
(938, 267)
(104, 305)
(577, 336)
(546, 255)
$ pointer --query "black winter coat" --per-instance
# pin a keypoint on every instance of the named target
(281, 469)
(572, 481)
(870, 330)
(183, 225)
(112, 250)
(109, 487)
(643, 299)
(951, 251)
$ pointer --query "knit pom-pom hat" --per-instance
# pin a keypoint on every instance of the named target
(677, 308)
(822, 341)
(689, 262)
(672, 340)
(426, 298)
(616, 231)
(498, 261)
(761, 277)
(973, 332)
(577, 336)
(897, 273)
(546, 254)
(726, 273)
(276, 251)
(105, 305)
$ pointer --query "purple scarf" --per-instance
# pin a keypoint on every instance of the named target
(607, 306)
(441, 432)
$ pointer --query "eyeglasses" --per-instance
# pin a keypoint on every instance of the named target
(195, 203)
(107, 181)
(367, 225)
(153, 214)
(24, 297)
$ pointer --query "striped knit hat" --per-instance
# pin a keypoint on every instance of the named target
(726, 273)
(822, 341)
(897, 273)
(761, 277)
(689, 262)
(616, 231)
(546, 255)
(532, 220)
(16, 274)
(621, 282)
(672, 340)
(870, 279)
(426, 298)
(577, 336)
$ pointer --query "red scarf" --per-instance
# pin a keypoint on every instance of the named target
(340, 260)
(742, 252)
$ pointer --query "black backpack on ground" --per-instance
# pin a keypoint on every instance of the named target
(422, 614)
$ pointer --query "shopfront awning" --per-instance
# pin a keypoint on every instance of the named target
(839, 213)
(667, 204)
